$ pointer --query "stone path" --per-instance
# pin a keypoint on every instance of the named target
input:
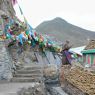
(33, 73)
(27, 77)
(13, 88)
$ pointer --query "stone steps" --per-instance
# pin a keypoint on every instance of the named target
(26, 79)
(28, 71)
(33, 66)
(28, 75)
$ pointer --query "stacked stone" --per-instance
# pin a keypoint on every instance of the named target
(81, 79)
(5, 63)
(91, 45)
(56, 91)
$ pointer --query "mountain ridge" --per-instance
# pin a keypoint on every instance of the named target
(63, 30)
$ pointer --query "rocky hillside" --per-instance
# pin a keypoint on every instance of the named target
(62, 30)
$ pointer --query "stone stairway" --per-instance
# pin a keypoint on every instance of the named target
(31, 73)
(12, 88)
(30, 76)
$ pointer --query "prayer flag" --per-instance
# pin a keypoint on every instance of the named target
(14, 2)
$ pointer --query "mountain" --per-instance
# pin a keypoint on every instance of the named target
(62, 30)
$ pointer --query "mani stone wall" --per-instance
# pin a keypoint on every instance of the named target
(5, 62)
(6, 8)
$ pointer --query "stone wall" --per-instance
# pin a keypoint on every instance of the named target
(82, 79)
(6, 6)
(6, 65)
(5, 62)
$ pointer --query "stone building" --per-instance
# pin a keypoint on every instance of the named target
(89, 54)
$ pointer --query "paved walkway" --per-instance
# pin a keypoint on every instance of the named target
(13, 88)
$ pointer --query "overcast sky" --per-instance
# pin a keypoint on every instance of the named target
(77, 12)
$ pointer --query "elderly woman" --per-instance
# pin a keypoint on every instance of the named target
(66, 57)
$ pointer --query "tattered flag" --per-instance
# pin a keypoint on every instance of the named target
(14, 2)
(20, 10)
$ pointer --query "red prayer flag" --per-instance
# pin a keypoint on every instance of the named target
(14, 2)
(88, 59)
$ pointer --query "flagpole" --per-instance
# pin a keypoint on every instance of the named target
(25, 21)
